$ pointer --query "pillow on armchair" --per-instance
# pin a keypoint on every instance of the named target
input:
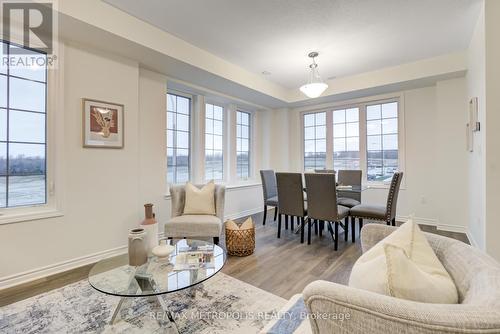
(403, 265)
(200, 201)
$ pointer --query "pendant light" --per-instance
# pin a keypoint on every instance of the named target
(314, 86)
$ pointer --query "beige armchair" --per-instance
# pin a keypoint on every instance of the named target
(476, 275)
(194, 226)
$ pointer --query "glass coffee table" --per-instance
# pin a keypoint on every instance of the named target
(158, 276)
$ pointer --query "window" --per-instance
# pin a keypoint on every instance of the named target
(23, 95)
(178, 138)
(346, 139)
(315, 141)
(363, 136)
(382, 141)
(243, 144)
(214, 135)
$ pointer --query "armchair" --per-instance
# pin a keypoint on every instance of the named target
(195, 226)
(476, 275)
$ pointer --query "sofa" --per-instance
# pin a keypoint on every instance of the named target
(475, 274)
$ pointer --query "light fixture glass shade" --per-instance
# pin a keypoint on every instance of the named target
(315, 86)
(313, 90)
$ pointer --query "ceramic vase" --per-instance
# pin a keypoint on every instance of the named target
(150, 225)
(137, 248)
(163, 250)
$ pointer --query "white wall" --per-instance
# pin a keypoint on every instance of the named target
(492, 127)
(104, 189)
(435, 180)
(476, 81)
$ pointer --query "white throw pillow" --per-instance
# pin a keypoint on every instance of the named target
(200, 201)
(403, 265)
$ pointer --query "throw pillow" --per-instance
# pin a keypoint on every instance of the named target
(403, 265)
(200, 201)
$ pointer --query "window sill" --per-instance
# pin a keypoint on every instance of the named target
(233, 186)
(28, 215)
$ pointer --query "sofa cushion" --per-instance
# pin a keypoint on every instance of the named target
(193, 226)
(403, 265)
(200, 201)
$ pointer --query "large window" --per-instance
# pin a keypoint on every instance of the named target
(23, 92)
(214, 135)
(361, 136)
(243, 126)
(315, 141)
(346, 139)
(382, 141)
(178, 138)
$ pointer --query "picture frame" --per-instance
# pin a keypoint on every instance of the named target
(473, 115)
(102, 124)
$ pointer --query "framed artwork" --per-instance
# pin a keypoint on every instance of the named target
(102, 124)
(473, 115)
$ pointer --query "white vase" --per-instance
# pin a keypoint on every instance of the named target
(151, 236)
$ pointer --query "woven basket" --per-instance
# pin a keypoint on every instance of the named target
(240, 242)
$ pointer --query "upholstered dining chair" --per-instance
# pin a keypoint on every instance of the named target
(291, 200)
(322, 204)
(270, 192)
(385, 213)
(194, 226)
(350, 199)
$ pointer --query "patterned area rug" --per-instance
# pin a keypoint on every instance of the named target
(222, 304)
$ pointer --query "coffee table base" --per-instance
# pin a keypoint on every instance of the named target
(164, 322)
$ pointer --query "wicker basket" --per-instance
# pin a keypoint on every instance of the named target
(240, 242)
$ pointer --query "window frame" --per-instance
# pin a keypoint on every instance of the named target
(360, 103)
(224, 136)
(190, 134)
(315, 138)
(54, 152)
(250, 144)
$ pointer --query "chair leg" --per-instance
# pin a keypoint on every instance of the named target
(275, 213)
(393, 221)
(321, 227)
(346, 228)
(302, 227)
(308, 231)
(265, 215)
(279, 226)
(336, 242)
(316, 222)
(216, 240)
(292, 225)
(286, 222)
(353, 229)
(360, 225)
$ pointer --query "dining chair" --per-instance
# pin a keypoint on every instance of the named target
(385, 213)
(270, 192)
(350, 199)
(322, 204)
(325, 171)
(291, 200)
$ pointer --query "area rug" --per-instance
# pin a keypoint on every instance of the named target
(222, 304)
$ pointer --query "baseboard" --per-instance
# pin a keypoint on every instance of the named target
(472, 241)
(243, 213)
(434, 222)
(31, 275)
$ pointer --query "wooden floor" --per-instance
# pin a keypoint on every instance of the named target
(281, 266)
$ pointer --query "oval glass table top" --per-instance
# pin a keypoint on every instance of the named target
(190, 263)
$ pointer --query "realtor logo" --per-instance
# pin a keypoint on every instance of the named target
(29, 24)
